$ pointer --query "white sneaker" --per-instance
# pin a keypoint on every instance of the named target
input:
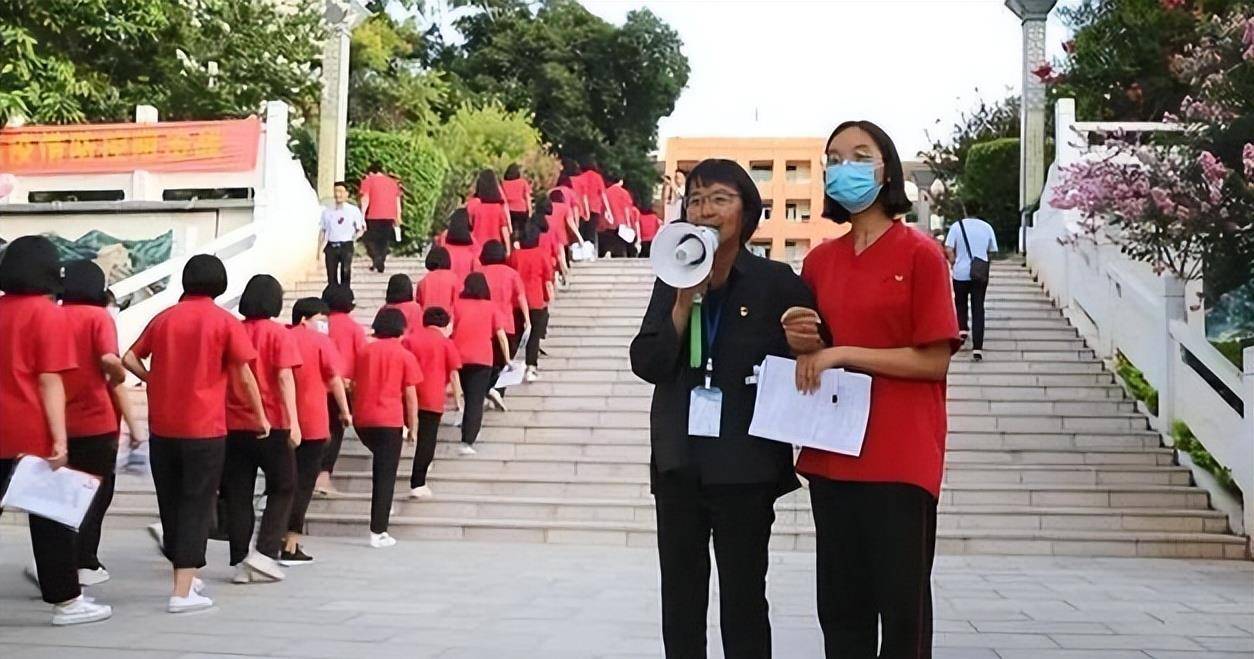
(977, 355)
(79, 610)
(92, 577)
(533, 374)
(466, 449)
(156, 532)
(380, 540)
(423, 492)
(497, 401)
(264, 566)
(198, 586)
(193, 602)
(243, 574)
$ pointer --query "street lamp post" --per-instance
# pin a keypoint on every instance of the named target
(341, 18)
(1032, 119)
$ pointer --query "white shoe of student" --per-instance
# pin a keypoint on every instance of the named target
(193, 602)
(380, 540)
(265, 567)
(92, 577)
(80, 610)
(422, 492)
(497, 401)
(243, 574)
(466, 449)
(198, 586)
(533, 374)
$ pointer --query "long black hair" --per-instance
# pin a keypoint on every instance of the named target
(729, 173)
(262, 298)
(487, 188)
(459, 228)
(893, 195)
(476, 287)
(400, 289)
(30, 266)
(85, 284)
(204, 275)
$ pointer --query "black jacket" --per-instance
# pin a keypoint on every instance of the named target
(756, 294)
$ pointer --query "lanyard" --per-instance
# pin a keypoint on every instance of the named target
(703, 328)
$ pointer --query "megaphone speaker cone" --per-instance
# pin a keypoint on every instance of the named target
(683, 254)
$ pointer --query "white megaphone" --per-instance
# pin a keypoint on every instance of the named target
(682, 254)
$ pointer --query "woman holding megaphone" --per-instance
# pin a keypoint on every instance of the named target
(708, 476)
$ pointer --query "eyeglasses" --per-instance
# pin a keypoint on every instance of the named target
(830, 160)
(719, 200)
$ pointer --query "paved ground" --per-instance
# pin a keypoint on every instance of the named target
(499, 601)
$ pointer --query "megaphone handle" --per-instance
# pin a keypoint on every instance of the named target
(694, 336)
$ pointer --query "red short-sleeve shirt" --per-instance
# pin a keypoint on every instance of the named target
(517, 194)
(621, 205)
(384, 369)
(276, 350)
(348, 337)
(464, 258)
(89, 409)
(319, 363)
(412, 312)
(34, 339)
(475, 322)
(895, 294)
(649, 225)
(535, 267)
(439, 288)
(384, 191)
(192, 345)
(486, 220)
(593, 189)
(504, 284)
(558, 228)
(438, 358)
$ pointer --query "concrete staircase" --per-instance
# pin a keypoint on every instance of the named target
(1046, 454)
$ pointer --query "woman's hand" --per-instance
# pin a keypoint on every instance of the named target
(810, 368)
(684, 299)
(801, 327)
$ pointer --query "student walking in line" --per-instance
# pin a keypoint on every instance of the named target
(341, 225)
(380, 196)
(439, 361)
(562, 225)
(535, 267)
(477, 322)
(196, 350)
(590, 188)
(487, 210)
(440, 287)
(618, 215)
(400, 296)
(506, 288)
(517, 197)
(650, 224)
(248, 447)
(317, 378)
(463, 249)
(386, 403)
(967, 246)
(37, 350)
(349, 340)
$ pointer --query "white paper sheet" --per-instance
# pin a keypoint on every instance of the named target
(627, 234)
(511, 375)
(783, 414)
(62, 495)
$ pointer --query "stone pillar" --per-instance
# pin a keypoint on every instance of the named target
(1173, 309)
(341, 18)
(1032, 118)
(1247, 386)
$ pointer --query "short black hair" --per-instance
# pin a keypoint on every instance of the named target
(557, 195)
(339, 297)
(308, 307)
(493, 252)
(589, 164)
(487, 188)
(29, 266)
(513, 172)
(570, 167)
(375, 166)
(389, 323)
(85, 284)
(435, 317)
(893, 195)
(532, 231)
(564, 181)
(262, 298)
(476, 287)
(400, 289)
(612, 177)
(340, 184)
(972, 207)
(728, 172)
(459, 228)
(438, 258)
(204, 275)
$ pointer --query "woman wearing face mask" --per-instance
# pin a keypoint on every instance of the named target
(883, 293)
(721, 483)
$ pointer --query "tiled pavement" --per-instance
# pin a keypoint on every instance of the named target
(500, 601)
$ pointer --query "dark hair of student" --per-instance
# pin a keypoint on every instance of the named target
(564, 181)
(308, 307)
(30, 266)
(400, 289)
(389, 323)
(262, 298)
(85, 284)
(972, 207)
(531, 233)
(493, 252)
(488, 188)
(204, 275)
(727, 172)
(435, 317)
(513, 172)
(375, 167)
(611, 178)
(459, 228)
(893, 194)
(438, 259)
(340, 184)
(339, 298)
(589, 165)
(570, 167)
(556, 196)
(476, 287)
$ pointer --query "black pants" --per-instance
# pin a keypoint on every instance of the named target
(273, 454)
(645, 246)
(739, 518)
(185, 474)
(331, 452)
(96, 455)
(518, 222)
(378, 239)
(875, 544)
(428, 430)
(385, 445)
(476, 380)
(539, 325)
(308, 464)
(975, 290)
(588, 228)
(52, 543)
(339, 260)
(499, 361)
(609, 243)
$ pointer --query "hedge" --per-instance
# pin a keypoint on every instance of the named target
(990, 177)
(413, 159)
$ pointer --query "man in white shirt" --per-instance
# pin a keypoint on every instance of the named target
(980, 241)
(341, 225)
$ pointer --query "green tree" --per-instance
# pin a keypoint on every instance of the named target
(990, 183)
(948, 156)
(389, 89)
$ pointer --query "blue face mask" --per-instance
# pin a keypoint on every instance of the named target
(853, 185)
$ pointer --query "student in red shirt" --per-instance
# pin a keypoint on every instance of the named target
(535, 268)
(650, 224)
(508, 296)
(37, 350)
(380, 196)
(248, 447)
(440, 287)
(561, 220)
(463, 250)
(349, 340)
(883, 293)
(400, 296)
(196, 350)
(487, 211)
(476, 322)
(591, 187)
(517, 197)
(618, 214)
(439, 360)
(317, 378)
(387, 402)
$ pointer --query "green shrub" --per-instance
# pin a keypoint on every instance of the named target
(1138, 386)
(413, 159)
(1187, 442)
(1232, 350)
(990, 178)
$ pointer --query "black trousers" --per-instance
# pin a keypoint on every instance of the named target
(96, 455)
(52, 543)
(512, 340)
(331, 452)
(186, 474)
(476, 380)
(875, 544)
(339, 260)
(645, 248)
(974, 290)
(428, 430)
(739, 519)
(273, 454)
(308, 465)
(385, 445)
(518, 222)
(378, 239)
(609, 243)
(539, 325)
(588, 228)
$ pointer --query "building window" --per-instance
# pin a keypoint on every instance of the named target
(797, 210)
(797, 171)
(761, 171)
(760, 248)
(767, 207)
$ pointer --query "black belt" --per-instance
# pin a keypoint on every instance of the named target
(337, 244)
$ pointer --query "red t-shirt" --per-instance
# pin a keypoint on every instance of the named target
(649, 225)
(34, 339)
(896, 294)
(558, 229)
(464, 258)
(89, 409)
(571, 199)
(438, 358)
(475, 323)
(517, 194)
(348, 338)
(384, 369)
(486, 220)
(592, 186)
(504, 284)
(535, 267)
(192, 344)
(276, 350)
(412, 312)
(439, 288)
(384, 191)
(621, 206)
(319, 363)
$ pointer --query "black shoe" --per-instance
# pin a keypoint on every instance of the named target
(298, 557)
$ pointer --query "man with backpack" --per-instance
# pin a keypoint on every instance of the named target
(968, 245)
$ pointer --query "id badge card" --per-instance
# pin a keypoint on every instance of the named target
(705, 411)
